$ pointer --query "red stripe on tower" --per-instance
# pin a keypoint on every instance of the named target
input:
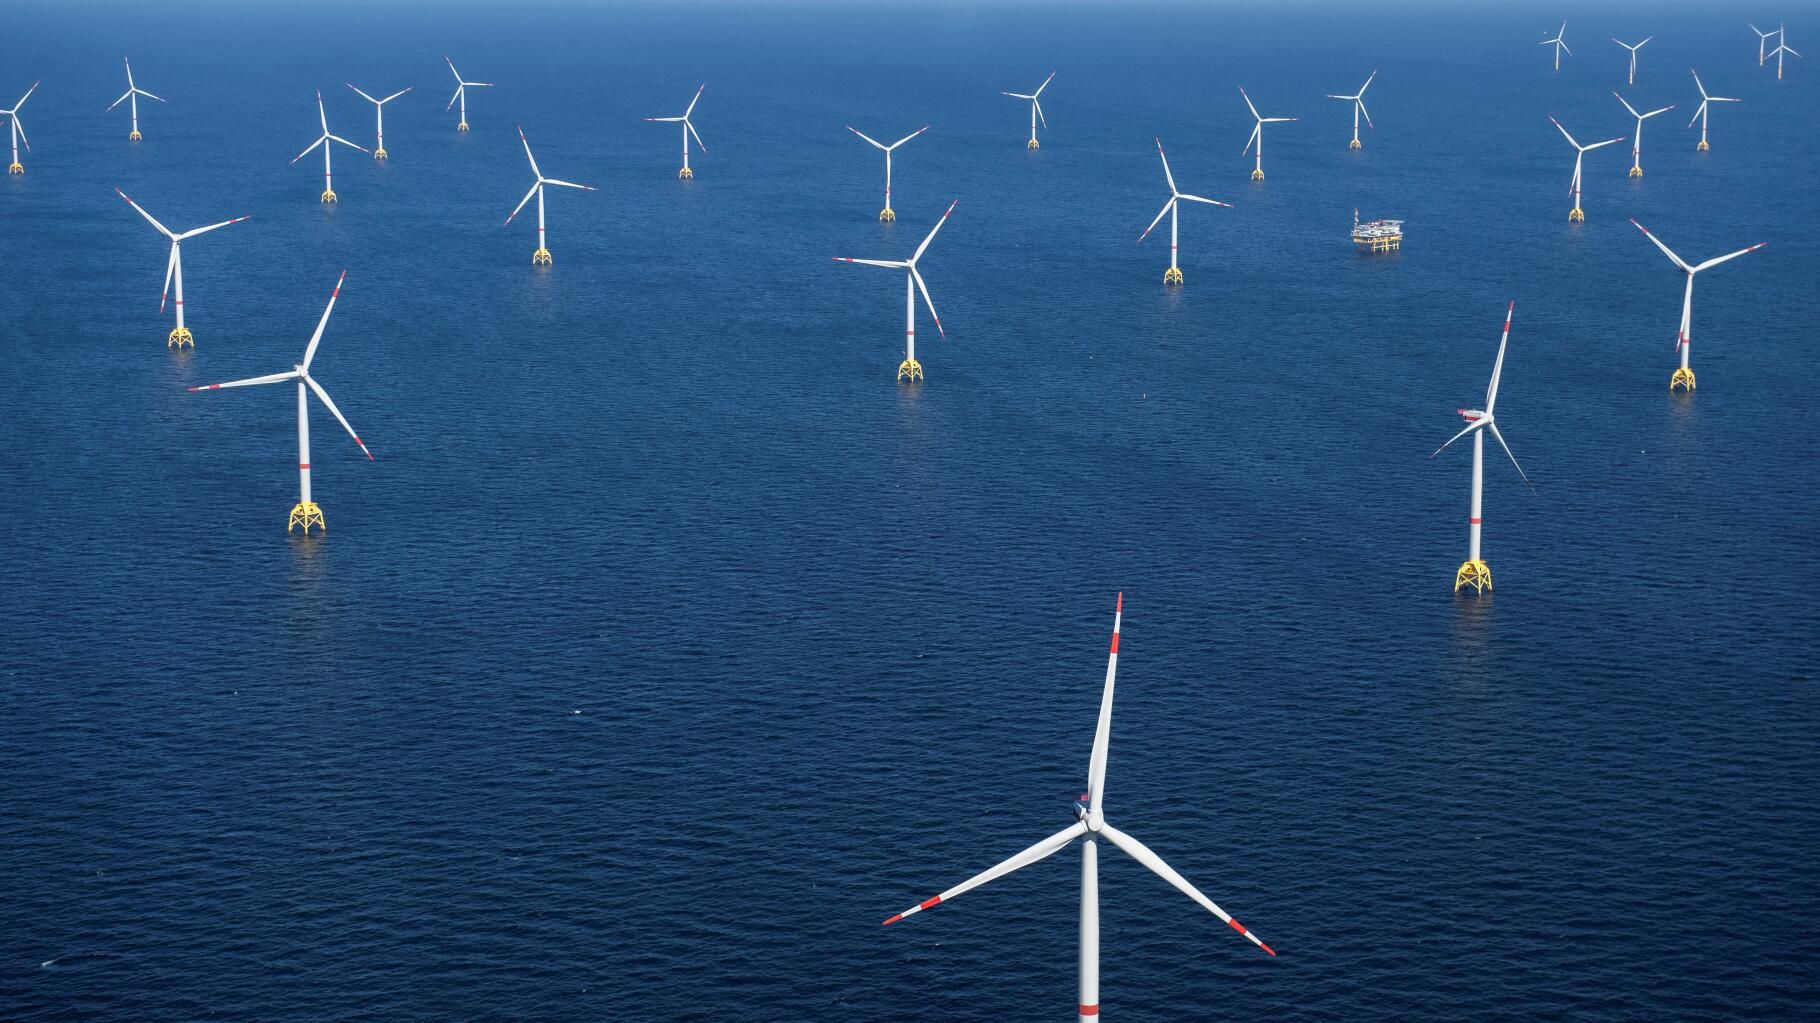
(1475, 521)
(1090, 1010)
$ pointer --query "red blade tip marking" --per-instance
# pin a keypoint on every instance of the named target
(894, 919)
(930, 902)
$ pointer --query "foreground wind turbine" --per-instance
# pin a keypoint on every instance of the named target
(542, 255)
(1782, 46)
(688, 129)
(1684, 377)
(1257, 134)
(1762, 37)
(887, 213)
(1473, 571)
(1636, 142)
(1090, 824)
(1632, 80)
(910, 369)
(1358, 107)
(306, 513)
(18, 130)
(1580, 152)
(328, 176)
(1700, 114)
(173, 269)
(1173, 275)
(379, 152)
(1559, 42)
(132, 93)
(461, 93)
(1036, 109)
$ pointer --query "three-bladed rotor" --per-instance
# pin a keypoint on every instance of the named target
(1483, 419)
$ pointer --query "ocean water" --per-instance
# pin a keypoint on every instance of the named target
(668, 645)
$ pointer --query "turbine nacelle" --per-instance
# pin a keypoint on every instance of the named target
(1473, 415)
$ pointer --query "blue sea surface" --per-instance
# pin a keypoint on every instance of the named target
(669, 645)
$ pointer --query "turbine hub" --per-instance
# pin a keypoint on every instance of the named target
(1095, 821)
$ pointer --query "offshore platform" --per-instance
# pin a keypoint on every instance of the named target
(1377, 235)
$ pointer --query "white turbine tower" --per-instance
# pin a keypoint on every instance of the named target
(1173, 275)
(1257, 134)
(328, 175)
(1091, 826)
(1358, 107)
(542, 255)
(887, 213)
(1559, 42)
(379, 152)
(1636, 142)
(910, 369)
(1631, 79)
(1473, 571)
(132, 94)
(18, 131)
(1036, 109)
(1580, 151)
(688, 129)
(306, 513)
(1762, 37)
(1684, 376)
(461, 93)
(1700, 114)
(173, 269)
(1782, 46)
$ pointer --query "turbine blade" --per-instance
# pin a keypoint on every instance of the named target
(889, 264)
(1570, 138)
(310, 150)
(1727, 258)
(1248, 104)
(1627, 106)
(1102, 730)
(1256, 130)
(569, 184)
(455, 97)
(345, 142)
(528, 156)
(927, 301)
(1493, 430)
(161, 228)
(1470, 427)
(1367, 114)
(321, 114)
(903, 140)
(1039, 112)
(148, 95)
(1497, 368)
(170, 267)
(1368, 81)
(309, 354)
(1210, 202)
(363, 95)
(395, 95)
(868, 138)
(1665, 249)
(1607, 142)
(1159, 219)
(1041, 850)
(521, 203)
(119, 101)
(920, 249)
(272, 378)
(694, 101)
(452, 70)
(1166, 175)
(1141, 853)
(691, 126)
(1045, 85)
(211, 227)
(343, 420)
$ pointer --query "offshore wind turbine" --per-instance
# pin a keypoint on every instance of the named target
(1173, 275)
(379, 152)
(1257, 134)
(910, 369)
(132, 93)
(1091, 825)
(306, 513)
(461, 93)
(1559, 42)
(328, 176)
(18, 131)
(1684, 376)
(1358, 107)
(173, 269)
(1473, 571)
(1632, 80)
(1636, 142)
(688, 129)
(1700, 114)
(1762, 37)
(1782, 47)
(542, 255)
(887, 213)
(1580, 151)
(1036, 109)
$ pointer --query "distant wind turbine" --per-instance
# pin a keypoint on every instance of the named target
(462, 86)
(1762, 37)
(1632, 80)
(328, 176)
(1173, 275)
(1700, 114)
(1636, 144)
(379, 152)
(1257, 134)
(1473, 571)
(173, 269)
(1358, 107)
(18, 131)
(542, 256)
(887, 213)
(1036, 109)
(1559, 42)
(1580, 151)
(1782, 47)
(688, 129)
(132, 94)
(910, 369)
(1684, 377)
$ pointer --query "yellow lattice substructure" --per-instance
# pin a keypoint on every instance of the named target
(1032, 144)
(1356, 145)
(1576, 216)
(380, 153)
(328, 195)
(910, 370)
(1173, 275)
(1683, 378)
(463, 126)
(1636, 170)
(1476, 574)
(1258, 174)
(542, 257)
(16, 168)
(887, 214)
(135, 137)
(686, 174)
(1388, 243)
(306, 514)
(1702, 147)
(180, 338)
